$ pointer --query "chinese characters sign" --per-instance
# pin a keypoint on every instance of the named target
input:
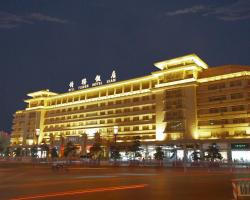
(98, 82)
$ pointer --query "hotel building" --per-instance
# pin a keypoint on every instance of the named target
(183, 105)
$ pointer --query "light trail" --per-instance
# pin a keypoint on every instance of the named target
(55, 182)
(77, 192)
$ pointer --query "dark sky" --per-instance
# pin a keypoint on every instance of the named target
(48, 43)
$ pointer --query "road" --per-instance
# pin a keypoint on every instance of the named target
(24, 182)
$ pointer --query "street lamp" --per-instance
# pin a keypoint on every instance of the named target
(115, 132)
(37, 134)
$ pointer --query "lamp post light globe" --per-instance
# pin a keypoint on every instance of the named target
(37, 134)
(115, 132)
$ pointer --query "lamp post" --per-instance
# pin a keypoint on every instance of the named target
(115, 132)
(37, 135)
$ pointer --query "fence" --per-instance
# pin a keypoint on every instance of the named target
(147, 162)
(241, 188)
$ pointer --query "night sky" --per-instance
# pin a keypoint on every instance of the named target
(48, 43)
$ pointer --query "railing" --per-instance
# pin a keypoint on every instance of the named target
(205, 165)
(241, 188)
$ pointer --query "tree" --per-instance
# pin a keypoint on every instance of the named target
(70, 149)
(4, 142)
(54, 153)
(196, 155)
(115, 152)
(96, 151)
(136, 147)
(213, 153)
(45, 148)
(18, 152)
(34, 151)
(7, 152)
(159, 155)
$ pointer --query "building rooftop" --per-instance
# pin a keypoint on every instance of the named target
(222, 70)
(183, 60)
(41, 93)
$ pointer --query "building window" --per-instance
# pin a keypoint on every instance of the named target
(217, 110)
(240, 133)
(126, 110)
(236, 96)
(118, 102)
(76, 98)
(235, 83)
(144, 98)
(118, 90)
(136, 128)
(82, 97)
(126, 101)
(136, 86)
(239, 120)
(224, 121)
(145, 117)
(111, 91)
(110, 112)
(238, 108)
(110, 120)
(174, 115)
(102, 113)
(218, 122)
(118, 111)
(126, 119)
(103, 104)
(217, 98)
(110, 103)
(127, 88)
(145, 108)
(223, 109)
(216, 86)
(145, 85)
(213, 110)
(136, 118)
(136, 99)
(126, 128)
(118, 120)
(69, 100)
(214, 122)
(136, 109)
(175, 126)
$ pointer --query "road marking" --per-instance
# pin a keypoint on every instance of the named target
(136, 174)
(55, 182)
(77, 192)
(101, 176)
(83, 168)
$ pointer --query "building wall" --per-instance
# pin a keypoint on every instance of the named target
(223, 108)
(183, 101)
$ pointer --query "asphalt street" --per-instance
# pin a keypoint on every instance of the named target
(24, 182)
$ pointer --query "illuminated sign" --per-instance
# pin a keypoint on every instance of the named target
(71, 86)
(112, 78)
(84, 84)
(240, 146)
(98, 82)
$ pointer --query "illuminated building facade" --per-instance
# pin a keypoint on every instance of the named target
(183, 105)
